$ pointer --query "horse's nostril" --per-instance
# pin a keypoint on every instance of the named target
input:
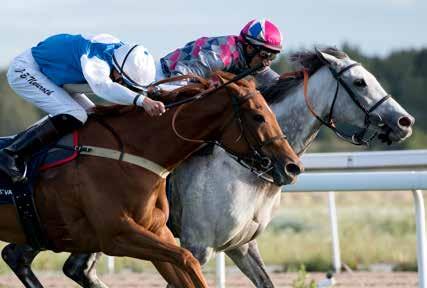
(405, 121)
(292, 169)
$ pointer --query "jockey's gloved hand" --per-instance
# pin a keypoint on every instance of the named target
(153, 107)
(154, 92)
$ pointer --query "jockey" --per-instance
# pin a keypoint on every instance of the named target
(258, 42)
(116, 72)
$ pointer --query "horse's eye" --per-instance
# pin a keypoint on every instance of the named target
(360, 82)
(259, 118)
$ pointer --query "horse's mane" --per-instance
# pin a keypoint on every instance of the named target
(174, 95)
(308, 60)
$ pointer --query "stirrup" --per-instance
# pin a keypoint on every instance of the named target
(22, 177)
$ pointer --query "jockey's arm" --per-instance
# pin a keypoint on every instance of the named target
(203, 65)
(97, 75)
(266, 77)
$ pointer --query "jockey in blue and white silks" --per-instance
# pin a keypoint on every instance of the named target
(116, 71)
(259, 41)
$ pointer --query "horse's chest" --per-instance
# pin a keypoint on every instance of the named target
(251, 221)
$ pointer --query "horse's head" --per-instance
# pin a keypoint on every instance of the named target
(363, 102)
(252, 133)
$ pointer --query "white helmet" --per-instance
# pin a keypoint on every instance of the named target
(135, 64)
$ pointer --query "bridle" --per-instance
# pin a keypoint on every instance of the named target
(254, 158)
(356, 138)
(250, 162)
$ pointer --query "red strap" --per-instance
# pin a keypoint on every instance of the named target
(307, 100)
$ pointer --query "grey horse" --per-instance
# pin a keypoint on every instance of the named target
(219, 205)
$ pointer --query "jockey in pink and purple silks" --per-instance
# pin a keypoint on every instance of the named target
(259, 42)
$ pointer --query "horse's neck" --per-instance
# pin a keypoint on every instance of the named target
(155, 139)
(294, 116)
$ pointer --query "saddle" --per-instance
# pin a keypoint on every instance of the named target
(21, 194)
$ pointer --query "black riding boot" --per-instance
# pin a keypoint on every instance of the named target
(13, 157)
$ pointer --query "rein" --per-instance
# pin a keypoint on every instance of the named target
(356, 138)
(255, 157)
(207, 91)
(179, 78)
(236, 112)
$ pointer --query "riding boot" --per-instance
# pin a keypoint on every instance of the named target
(13, 158)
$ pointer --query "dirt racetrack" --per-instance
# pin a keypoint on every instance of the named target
(234, 280)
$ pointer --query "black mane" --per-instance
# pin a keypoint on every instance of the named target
(309, 60)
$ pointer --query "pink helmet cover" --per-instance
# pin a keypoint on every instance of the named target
(263, 33)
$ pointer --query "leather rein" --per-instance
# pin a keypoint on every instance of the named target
(255, 157)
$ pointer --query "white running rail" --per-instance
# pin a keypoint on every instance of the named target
(364, 171)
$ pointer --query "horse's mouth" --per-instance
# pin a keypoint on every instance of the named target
(395, 129)
(280, 179)
(389, 135)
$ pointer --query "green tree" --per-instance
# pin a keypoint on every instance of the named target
(15, 113)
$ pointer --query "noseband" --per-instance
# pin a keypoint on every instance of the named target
(255, 157)
(358, 137)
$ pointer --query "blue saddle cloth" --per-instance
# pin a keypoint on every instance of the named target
(49, 157)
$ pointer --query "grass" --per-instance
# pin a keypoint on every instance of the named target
(302, 280)
(374, 227)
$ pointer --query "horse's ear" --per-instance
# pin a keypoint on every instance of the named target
(327, 58)
(324, 57)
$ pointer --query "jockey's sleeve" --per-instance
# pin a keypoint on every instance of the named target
(204, 64)
(266, 77)
(97, 75)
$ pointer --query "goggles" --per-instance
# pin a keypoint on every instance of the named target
(264, 54)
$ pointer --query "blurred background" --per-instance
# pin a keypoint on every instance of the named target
(387, 36)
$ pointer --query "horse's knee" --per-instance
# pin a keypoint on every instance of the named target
(18, 255)
(187, 260)
(10, 256)
(202, 254)
(78, 264)
(75, 265)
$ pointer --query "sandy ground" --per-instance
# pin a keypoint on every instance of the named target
(234, 279)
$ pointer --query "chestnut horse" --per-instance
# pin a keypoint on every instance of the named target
(98, 204)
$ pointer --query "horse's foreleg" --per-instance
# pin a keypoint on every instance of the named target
(249, 261)
(145, 245)
(174, 276)
(81, 268)
(202, 253)
(19, 258)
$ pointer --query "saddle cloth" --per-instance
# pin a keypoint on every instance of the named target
(49, 157)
